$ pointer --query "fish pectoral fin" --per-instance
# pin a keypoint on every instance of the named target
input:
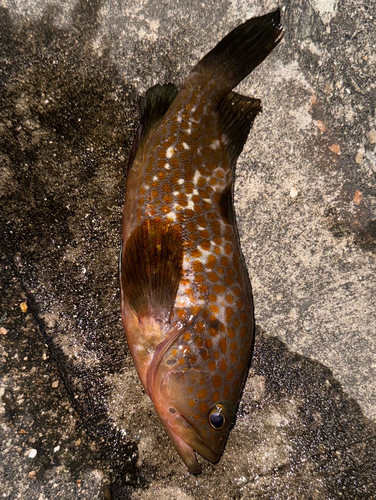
(151, 269)
(156, 102)
(237, 114)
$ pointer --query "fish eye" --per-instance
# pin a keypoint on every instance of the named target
(216, 417)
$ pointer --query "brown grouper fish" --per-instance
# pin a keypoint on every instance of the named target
(185, 293)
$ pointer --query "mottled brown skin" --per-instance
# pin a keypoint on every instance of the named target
(192, 357)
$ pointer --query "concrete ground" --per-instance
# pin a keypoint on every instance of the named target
(75, 422)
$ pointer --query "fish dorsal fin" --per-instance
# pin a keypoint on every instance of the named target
(151, 269)
(153, 107)
(237, 114)
(156, 102)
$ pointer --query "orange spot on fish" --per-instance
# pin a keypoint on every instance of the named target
(205, 245)
(229, 280)
(229, 299)
(181, 314)
(211, 262)
(213, 331)
(233, 358)
(230, 375)
(201, 221)
(219, 289)
(214, 309)
(191, 403)
(197, 266)
(216, 227)
(217, 381)
(212, 298)
(231, 333)
(229, 314)
(243, 317)
(205, 355)
(233, 346)
(216, 397)
(223, 365)
(201, 182)
(198, 341)
(167, 198)
(223, 345)
(243, 332)
(203, 407)
(226, 392)
(208, 343)
(182, 199)
(199, 327)
(202, 394)
(186, 336)
(228, 248)
(213, 276)
(212, 365)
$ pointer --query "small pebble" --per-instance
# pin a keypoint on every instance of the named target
(294, 192)
(55, 384)
(371, 136)
(359, 156)
(32, 473)
(23, 306)
(57, 448)
(335, 148)
(3, 331)
(32, 453)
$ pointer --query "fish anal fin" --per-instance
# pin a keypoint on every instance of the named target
(151, 269)
(237, 114)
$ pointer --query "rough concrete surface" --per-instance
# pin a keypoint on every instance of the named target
(75, 422)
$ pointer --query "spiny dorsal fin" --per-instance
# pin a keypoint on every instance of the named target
(237, 114)
(151, 268)
(156, 102)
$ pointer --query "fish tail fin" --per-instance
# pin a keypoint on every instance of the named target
(240, 52)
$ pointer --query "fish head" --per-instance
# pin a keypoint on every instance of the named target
(184, 403)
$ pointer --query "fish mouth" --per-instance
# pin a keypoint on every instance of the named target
(186, 440)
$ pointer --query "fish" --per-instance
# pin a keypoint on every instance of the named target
(186, 299)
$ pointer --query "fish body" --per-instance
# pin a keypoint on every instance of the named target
(185, 292)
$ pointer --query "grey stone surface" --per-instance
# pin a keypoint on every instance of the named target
(70, 74)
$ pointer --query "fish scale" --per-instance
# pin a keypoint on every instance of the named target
(186, 296)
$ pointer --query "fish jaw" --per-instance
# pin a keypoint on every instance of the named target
(185, 451)
(186, 440)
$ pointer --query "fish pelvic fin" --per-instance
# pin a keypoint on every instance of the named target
(151, 269)
(240, 52)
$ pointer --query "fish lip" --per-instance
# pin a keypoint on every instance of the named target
(185, 451)
(194, 441)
